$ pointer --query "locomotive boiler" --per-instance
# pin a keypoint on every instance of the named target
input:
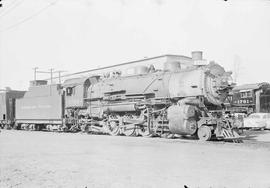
(183, 98)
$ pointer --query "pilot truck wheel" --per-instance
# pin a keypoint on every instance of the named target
(204, 133)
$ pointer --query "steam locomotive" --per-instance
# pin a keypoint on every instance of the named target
(184, 98)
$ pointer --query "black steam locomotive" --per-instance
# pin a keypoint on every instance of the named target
(183, 98)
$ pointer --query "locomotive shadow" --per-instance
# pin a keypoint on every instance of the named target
(253, 135)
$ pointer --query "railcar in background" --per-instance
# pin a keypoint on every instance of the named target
(7, 106)
(250, 98)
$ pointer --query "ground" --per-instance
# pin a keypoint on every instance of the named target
(46, 159)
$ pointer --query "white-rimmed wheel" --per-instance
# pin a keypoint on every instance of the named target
(49, 127)
(129, 131)
(143, 131)
(32, 127)
(204, 133)
(25, 126)
(114, 128)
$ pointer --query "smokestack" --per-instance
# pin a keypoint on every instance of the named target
(196, 55)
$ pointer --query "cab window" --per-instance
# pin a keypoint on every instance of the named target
(70, 91)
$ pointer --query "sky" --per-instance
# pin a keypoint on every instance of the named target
(77, 35)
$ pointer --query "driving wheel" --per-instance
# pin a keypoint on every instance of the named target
(114, 128)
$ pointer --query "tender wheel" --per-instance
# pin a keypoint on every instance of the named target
(49, 127)
(25, 127)
(114, 129)
(204, 133)
(32, 127)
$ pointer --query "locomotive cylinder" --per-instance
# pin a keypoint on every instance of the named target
(182, 119)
